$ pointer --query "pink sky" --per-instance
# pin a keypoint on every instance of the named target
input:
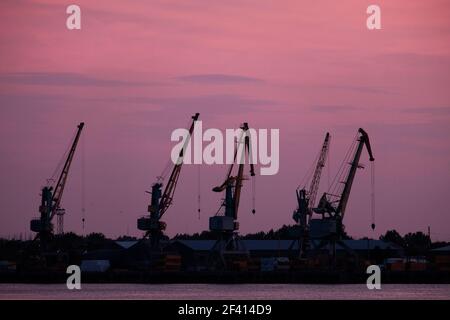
(138, 70)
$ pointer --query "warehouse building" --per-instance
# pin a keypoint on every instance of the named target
(195, 253)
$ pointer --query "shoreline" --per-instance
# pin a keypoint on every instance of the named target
(229, 277)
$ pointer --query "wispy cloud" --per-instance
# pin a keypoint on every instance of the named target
(216, 104)
(362, 89)
(414, 59)
(400, 132)
(63, 79)
(332, 108)
(428, 110)
(218, 79)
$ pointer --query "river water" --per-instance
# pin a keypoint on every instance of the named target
(224, 292)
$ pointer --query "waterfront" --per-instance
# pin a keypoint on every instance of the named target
(224, 292)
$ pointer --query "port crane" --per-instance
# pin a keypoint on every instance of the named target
(226, 225)
(161, 201)
(306, 199)
(332, 204)
(51, 197)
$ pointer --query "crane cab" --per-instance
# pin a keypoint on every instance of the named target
(36, 225)
(146, 223)
(223, 223)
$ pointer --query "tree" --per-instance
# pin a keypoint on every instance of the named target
(95, 236)
(126, 238)
(417, 243)
(394, 237)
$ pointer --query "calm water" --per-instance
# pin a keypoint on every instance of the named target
(213, 291)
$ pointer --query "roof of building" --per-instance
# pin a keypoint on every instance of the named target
(442, 249)
(127, 243)
(371, 244)
(283, 245)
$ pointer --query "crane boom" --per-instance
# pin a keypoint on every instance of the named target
(240, 175)
(59, 188)
(51, 198)
(169, 191)
(314, 186)
(161, 201)
(328, 206)
(363, 140)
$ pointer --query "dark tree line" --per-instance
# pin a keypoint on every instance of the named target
(286, 232)
(417, 243)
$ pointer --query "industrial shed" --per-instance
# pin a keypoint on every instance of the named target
(196, 252)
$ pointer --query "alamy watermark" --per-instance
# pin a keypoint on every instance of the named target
(374, 280)
(73, 21)
(373, 21)
(74, 280)
(221, 149)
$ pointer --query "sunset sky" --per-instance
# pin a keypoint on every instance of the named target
(137, 70)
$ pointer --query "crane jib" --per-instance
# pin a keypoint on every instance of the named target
(363, 141)
(169, 191)
(59, 188)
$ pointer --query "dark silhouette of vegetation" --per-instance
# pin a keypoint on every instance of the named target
(204, 235)
(290, 232)
(414, 244)
(126, 238)
(394, 237)
(417, 244)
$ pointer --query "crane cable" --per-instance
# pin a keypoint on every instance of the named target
(253, 178)
(372, 195)
(328, 168)
(199, 192)
(61, 163)
(254, 194)
(165, 171)
(169, 164)
(336, 185)
(308, 175)
(83, 183)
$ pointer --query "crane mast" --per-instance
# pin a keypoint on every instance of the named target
(332, 207)
(51, 197)
(233, 187)
(306, 198)
(314, 187)
(306, 201)
(161, 201)
(228, 246)
(329, 230)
